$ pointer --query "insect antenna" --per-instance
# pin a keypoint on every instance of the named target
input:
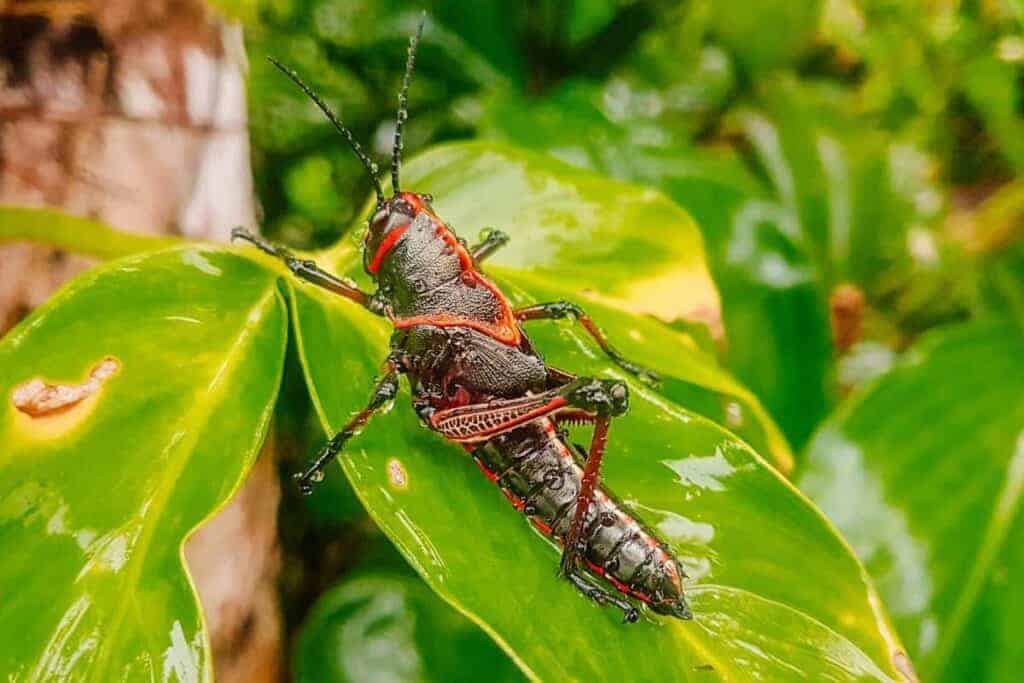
(403, 104)
(369, 164)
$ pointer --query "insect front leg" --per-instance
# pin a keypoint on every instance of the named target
(492, 241)
(309, 271)
(556, 310)
(383, 393)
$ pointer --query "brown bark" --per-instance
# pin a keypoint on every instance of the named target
(133, 113)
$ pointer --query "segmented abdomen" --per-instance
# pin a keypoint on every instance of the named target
(541, 478)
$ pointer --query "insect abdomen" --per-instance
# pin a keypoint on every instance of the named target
(541, 478)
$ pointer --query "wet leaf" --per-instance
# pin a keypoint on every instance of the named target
(163, 370)
(573, 226)
(775, 589)
(758, 553)
(922, 472)
(393, 627)
(773, 308)
(579, 236)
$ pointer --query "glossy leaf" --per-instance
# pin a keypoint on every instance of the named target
(923, 473)
(775, 589)
(773, 312)
(571, 226)
(392, 627)
(184, 349)
(579, 236)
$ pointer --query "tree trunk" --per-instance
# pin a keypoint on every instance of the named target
(133, 113)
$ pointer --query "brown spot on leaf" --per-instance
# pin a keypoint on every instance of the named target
(39, 399)
(396, 475)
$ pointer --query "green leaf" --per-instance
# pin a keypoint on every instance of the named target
(580, 236)
(923, 473)
(766, 268)
(776, 592)
(775, 318)
(769, 571)
(185, 349)
(80, 235)
(392, 627)
(572, 226)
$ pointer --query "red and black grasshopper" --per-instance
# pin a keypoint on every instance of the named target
(477, 380)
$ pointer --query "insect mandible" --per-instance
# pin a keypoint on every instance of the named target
(477, 380)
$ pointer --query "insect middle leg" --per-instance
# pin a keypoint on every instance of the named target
(308, 270)
(556, 310)
(383, 393)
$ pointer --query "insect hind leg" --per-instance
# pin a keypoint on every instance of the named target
(630, 614)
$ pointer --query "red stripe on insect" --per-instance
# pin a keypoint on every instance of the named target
(386, 246)
(447, 423)
(619, 586)
(541, 526)
(491, 476)
(505, 333)
(516, 501)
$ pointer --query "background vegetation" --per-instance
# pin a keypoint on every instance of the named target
(847, 301)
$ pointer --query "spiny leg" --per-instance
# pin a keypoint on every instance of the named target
(308, 270)
(492, 240)
(574, 544)
(384, 392)
(556, 310)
